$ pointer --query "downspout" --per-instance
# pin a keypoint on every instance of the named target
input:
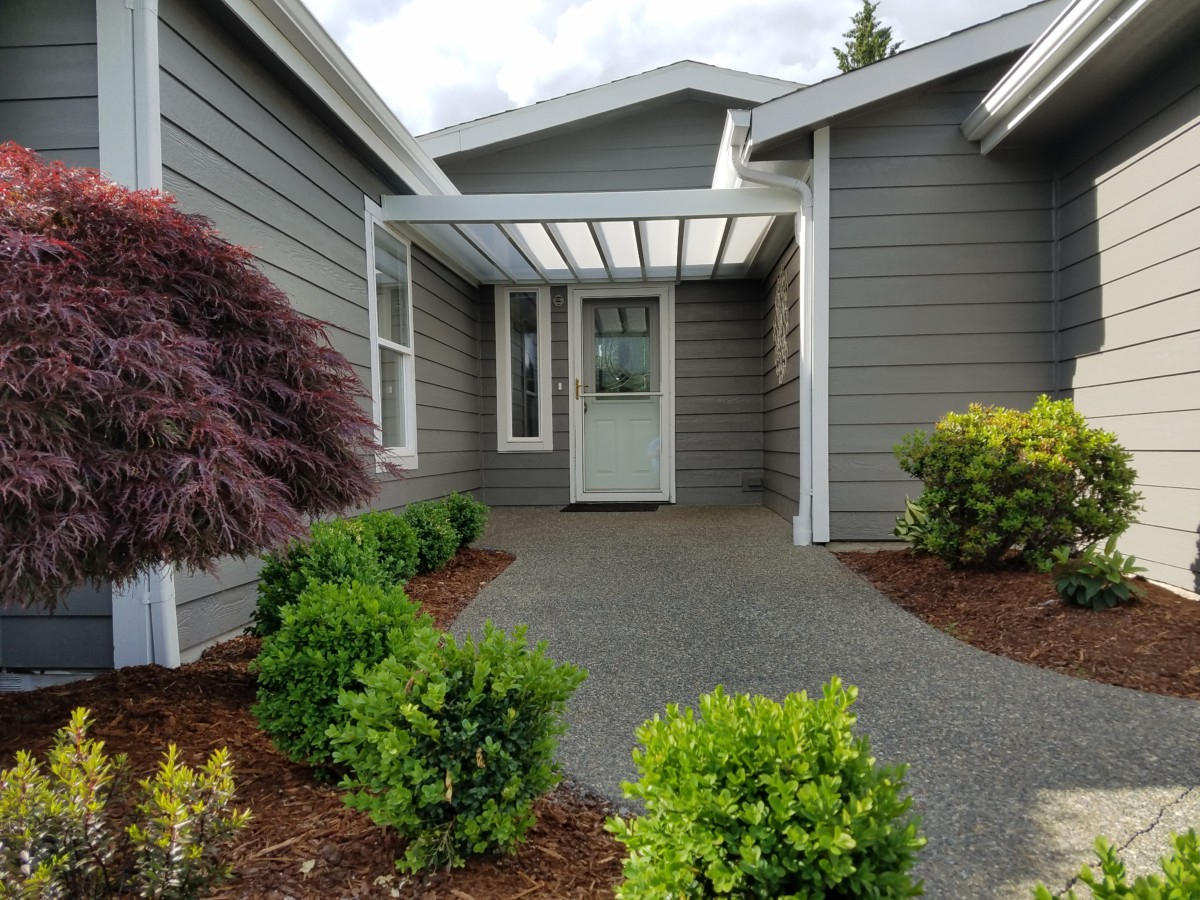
(739, 151)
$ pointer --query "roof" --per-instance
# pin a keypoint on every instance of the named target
(797, 115)
(682, 79)
(299, 41)
(1084, 61)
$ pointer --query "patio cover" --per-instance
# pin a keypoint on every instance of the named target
(618, 236)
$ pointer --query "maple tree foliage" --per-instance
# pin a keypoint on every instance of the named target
(160, 399)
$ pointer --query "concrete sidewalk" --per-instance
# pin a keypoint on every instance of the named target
(1014, 769)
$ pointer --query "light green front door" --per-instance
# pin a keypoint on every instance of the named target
(621, 389)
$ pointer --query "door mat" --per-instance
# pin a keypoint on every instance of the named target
(610, 507)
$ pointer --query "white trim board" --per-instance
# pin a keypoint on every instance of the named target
(682, 77)
(797, 114)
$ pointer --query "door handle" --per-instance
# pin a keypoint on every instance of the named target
(578, 385)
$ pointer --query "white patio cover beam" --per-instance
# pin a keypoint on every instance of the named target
(611, 206)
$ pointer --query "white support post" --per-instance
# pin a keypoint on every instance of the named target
(143, 612)
(819, 447)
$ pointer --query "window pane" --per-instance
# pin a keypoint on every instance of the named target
(391, 403)
(391, 288)
(523, 360)
(622, 350)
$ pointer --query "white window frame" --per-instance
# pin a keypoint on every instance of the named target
(405, 456)
(505, 441)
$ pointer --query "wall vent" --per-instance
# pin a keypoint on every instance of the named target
(752, 481)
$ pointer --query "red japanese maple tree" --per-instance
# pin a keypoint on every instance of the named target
(160, 400)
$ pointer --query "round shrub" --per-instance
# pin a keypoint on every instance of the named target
(397, 544)
(326, 640)
(1001, 482)
(758, 799)
(467, 515)
(453, 743)
(437, 541)
(337, 552)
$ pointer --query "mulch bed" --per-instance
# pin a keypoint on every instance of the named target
(302, 842)
(1152, 644)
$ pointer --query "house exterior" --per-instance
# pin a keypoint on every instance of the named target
(690, 286)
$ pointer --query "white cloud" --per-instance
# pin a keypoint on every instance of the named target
(440, 62)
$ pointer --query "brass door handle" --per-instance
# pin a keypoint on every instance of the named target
(578, 385)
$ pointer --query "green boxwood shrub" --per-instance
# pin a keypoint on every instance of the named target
(467, 515)
(1180, 879)
(1000, 482)
(758, 799)
(437, 541)
(397, 544)
(328, 638)
(452, 745)
(337, 552)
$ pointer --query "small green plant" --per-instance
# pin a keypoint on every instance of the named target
(326, 641)
(59, 835)
(1095, 579)
(1180, 879)
(397, 544)
(1002, 482)
(437, 541)
(337, 552)
(912, 524)
(467, 515)
(452, 745)
(759, 799)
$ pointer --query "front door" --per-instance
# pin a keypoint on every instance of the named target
(621, 399)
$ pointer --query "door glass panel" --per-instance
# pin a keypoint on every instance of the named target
(623, 349)
(523, 357)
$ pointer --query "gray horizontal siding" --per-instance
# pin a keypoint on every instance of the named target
(243, 148)
(940, 288)
(670, 146)
(77, 636)
(48, 103)
(1128, 230)
(781, 399)
(718, 381)
(48, 79)
(525, 479)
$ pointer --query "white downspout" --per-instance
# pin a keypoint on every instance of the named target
(739, 122)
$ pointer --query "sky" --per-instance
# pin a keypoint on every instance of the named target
(442, 62)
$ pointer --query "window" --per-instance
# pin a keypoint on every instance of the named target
(523, 409)
(393, 375)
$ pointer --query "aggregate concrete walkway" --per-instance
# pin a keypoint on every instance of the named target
(1014, 769)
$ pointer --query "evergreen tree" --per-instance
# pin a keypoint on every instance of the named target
(867, 41)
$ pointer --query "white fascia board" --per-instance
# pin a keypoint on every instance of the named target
(1074, 38)
(817, 105)
(600, 206)
(291, 32)
(603, 99)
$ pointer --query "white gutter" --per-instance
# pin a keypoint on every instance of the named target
(737, 128)
(1071, 40)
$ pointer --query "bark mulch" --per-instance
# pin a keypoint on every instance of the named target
(1151, 645)
(302, 842)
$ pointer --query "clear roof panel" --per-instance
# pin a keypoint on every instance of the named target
(660, 246)
(620, 246)
(539, 244)
(576, 239)
(701, 244)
